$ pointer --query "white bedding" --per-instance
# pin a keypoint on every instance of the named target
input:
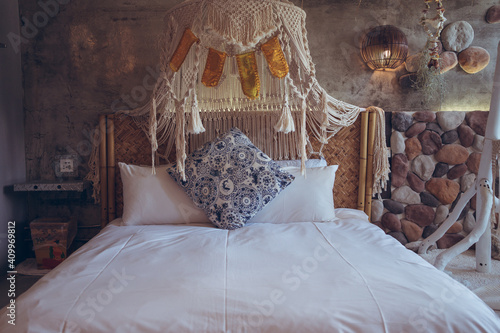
(341, 276)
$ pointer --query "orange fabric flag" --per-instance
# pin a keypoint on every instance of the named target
(275, 57)
(247, 67)
(187, 40)
(213, 68)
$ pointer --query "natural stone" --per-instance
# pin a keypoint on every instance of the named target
(434, 127)
(420, 214)
(413, 62)
(377, 210)
(447, 61)
(400, 237)
(448, 240)
(477, 121)
(457, 171)
(407, 81)
(394, 206)
(379, 224)
(478, 143)
(430, 141)
(397, 143)
(415, 129)
(391, 222)
(405, 195)
(457, 36)
(444, 189)
(428, 199)
(441, 214)
(473, 202)
(473, 59)
(413, 148)
(473, 162)
(429, 230)
(449, 120)
(452, 154)
(426, 116)
(440, 170)
(467, 181)
(464, 210)
(469, 222)
(423, 166)
(412, 230)
(401, 121)
(493, 14)
(416, 184)
(449, 137)
(455, 228)
(466, 135)
(399, 170)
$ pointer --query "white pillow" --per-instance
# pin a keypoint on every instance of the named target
(306, 199)
(155, 199)
(312, 163)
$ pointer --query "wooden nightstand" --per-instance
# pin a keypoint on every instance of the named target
(57, 199)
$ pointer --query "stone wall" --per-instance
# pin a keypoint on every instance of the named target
(435, 159)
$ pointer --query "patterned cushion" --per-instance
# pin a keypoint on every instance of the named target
(231, 179)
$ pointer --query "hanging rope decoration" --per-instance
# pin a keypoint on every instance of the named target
(433, 27)
(232, 62)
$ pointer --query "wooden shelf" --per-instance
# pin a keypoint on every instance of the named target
(64, 186)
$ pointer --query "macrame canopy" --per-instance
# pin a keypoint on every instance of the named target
(239, 63)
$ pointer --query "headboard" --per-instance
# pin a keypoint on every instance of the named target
(126, 142)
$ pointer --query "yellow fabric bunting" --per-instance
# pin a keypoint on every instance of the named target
(187, 40)
(213, 68)
(275, 57)
(249, 76)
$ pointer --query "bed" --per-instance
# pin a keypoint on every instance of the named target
(324, 269)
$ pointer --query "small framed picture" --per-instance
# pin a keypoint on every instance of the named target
(66, 166)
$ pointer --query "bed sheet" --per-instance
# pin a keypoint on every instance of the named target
(340, 276)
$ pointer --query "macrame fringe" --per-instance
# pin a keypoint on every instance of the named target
(94, 171)
(153, 126)
(240, 24)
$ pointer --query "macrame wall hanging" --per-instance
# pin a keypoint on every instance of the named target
(243, 63)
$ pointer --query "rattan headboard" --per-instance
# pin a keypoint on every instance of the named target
(125, 142)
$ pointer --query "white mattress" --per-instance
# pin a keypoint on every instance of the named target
(342, 276)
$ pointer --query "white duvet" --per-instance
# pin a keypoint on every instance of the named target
(342, 276)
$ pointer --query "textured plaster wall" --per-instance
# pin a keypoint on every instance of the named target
(12, 163)
(95, 55)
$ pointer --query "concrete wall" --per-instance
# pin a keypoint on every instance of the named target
(12, 163)
(88, 54)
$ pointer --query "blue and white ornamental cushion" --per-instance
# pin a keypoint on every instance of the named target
(231, 179)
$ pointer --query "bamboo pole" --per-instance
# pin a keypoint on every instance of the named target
(103, 172)
(369, 164)
(110, 138)
(362, 160)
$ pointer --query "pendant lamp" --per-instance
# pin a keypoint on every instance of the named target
(384, 47)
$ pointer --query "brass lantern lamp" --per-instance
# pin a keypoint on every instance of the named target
(384, 47)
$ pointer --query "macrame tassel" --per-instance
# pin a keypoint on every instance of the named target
(180, 139)
(381, 167)
(153, 126)
(303, 139)
(285, 123)
(195, 125)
